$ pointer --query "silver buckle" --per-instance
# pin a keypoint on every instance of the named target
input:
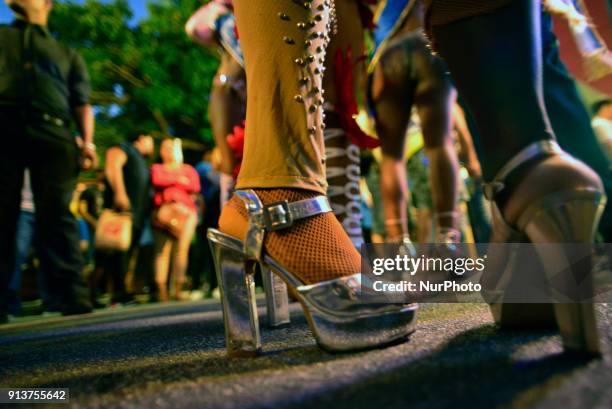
(277, 216)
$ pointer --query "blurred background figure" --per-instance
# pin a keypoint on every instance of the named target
(404, 74)
(175, 219)
(25, 241)
(127, 190)
(91, 203)
(602, 124)
(213, 26)
(200, 260)
(45, 87)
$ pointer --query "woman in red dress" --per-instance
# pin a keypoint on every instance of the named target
(175, 216)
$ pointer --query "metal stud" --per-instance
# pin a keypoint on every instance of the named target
(289, 40)
(284, 16)
(312, 109)
(298, 98)
(312, 130)
(299, 61)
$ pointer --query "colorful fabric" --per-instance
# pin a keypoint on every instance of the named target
(346, 104)
(228, 36)
(235, 141)
(174, 185)
(389, 17)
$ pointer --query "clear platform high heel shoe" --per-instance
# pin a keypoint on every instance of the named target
(339, 318)
(570, 215)
(277, 298)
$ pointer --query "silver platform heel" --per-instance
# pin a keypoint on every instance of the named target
(236, 278)
(339, 318)
(568, 216)
(277, 298)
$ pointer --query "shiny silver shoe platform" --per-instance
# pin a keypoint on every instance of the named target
(339, 319)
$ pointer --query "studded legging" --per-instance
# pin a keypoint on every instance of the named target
(284, 45)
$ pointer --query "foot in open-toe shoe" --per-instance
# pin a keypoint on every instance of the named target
(294, 235)
(557, 200)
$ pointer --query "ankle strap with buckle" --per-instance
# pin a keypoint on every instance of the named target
(275, 216)
(532, 151)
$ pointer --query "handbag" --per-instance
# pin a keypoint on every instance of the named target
(114, 231)
(172, 217)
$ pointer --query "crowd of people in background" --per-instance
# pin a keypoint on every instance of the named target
(162, 266)
(148, 192)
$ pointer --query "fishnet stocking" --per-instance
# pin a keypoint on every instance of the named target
(314, 249)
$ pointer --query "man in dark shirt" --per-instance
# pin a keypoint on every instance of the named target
(43, 86)
(128, 189)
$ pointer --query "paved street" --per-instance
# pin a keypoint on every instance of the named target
(172, 356)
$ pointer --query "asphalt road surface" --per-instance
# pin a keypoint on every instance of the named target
(172, 356)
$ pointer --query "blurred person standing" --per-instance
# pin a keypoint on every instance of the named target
(602, 124)
(175, 217)
(210, 191)
(213, 26)
(43, 87)
(127, 190)
(25, 239)
(91, 202)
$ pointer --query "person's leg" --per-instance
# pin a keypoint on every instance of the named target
(434, 98)
(544, 194)
(226, 109)
(163, 246)
(284, 138)
(24, 239)
(501, 51)
(96, 277)
(12, 165)
(488, 55)
(392, 97)
(284, 149)
(180, 255)
(53, 168)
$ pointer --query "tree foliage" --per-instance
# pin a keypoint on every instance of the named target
(146, 75)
